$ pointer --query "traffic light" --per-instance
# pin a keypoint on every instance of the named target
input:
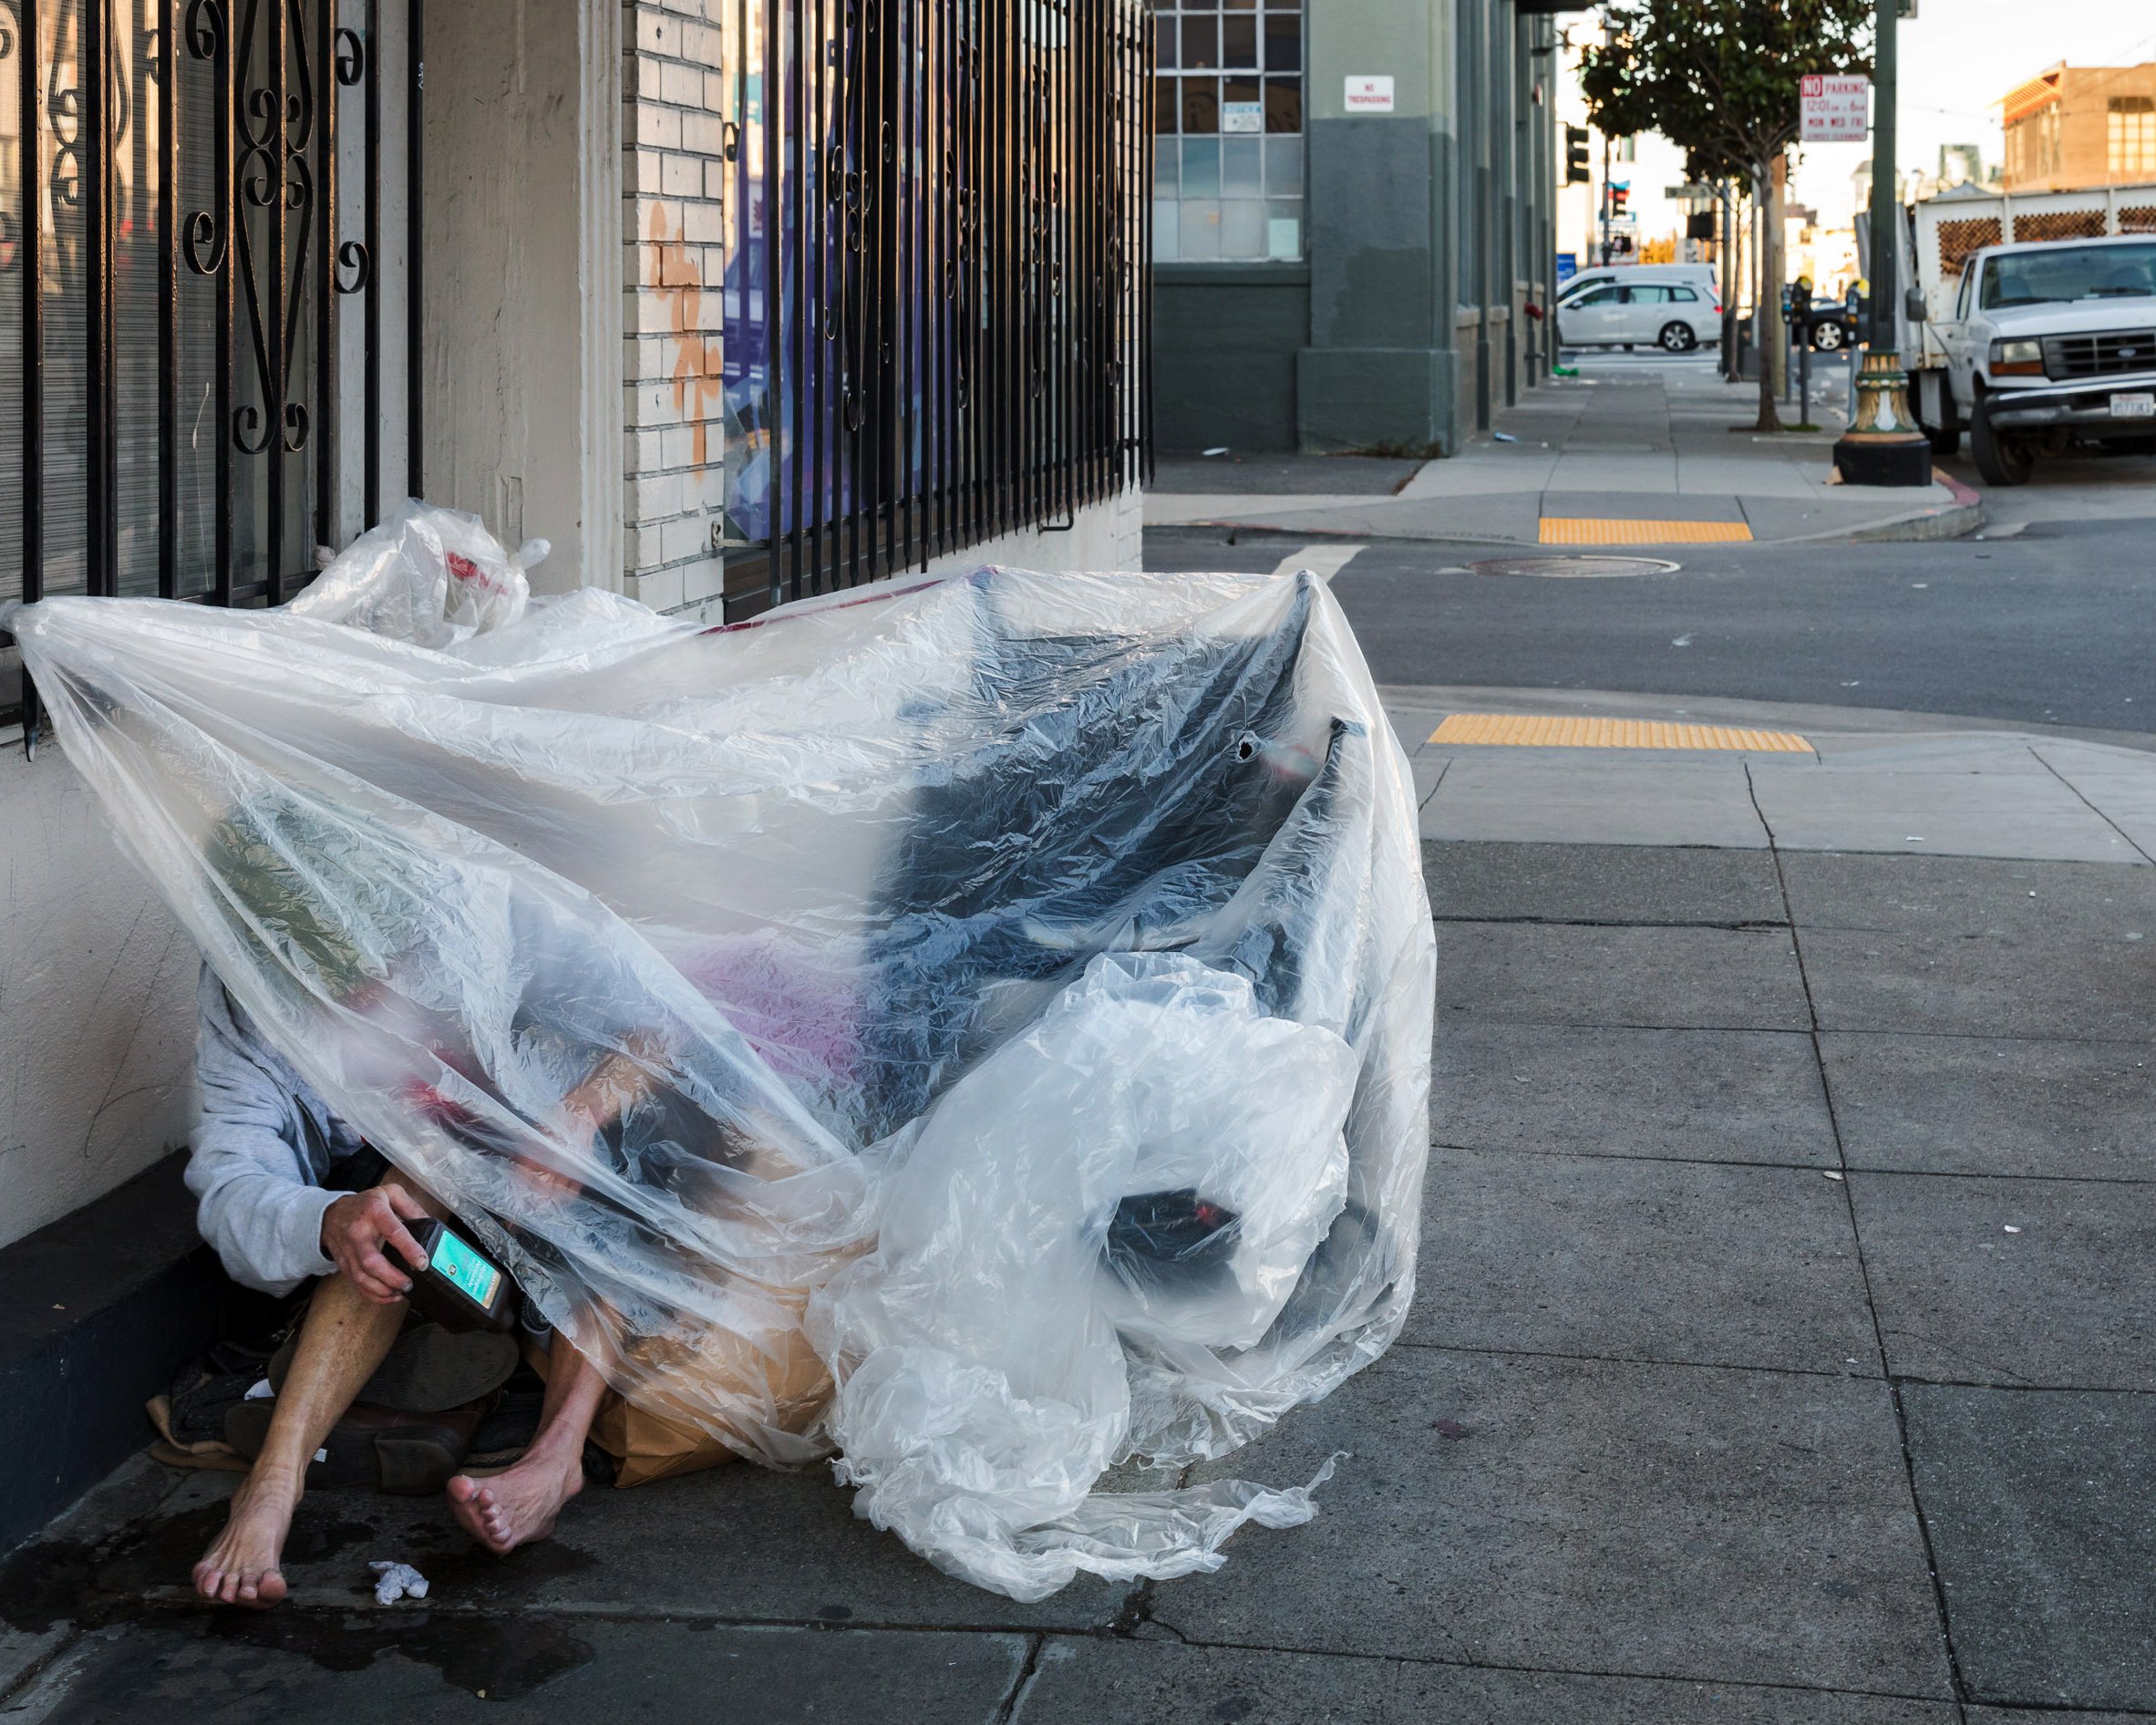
(1575, 156)
(1620, 193)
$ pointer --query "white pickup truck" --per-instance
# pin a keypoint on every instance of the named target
(2033, 345)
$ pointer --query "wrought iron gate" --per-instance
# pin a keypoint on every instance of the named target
(179, 245)
(944, 333)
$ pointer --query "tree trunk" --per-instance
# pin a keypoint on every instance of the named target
(1767, 297)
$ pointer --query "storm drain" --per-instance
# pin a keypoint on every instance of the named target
(1575, 568)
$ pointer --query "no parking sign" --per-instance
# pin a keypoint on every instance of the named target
(1832, 108)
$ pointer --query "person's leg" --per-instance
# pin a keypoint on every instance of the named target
(346, 1336)
(518, 1504)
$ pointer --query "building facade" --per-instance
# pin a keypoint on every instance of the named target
(2078, 126)
(731, 301)
(1353, 206)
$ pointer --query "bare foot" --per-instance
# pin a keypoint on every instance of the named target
(518, 1504)
(241, 1567)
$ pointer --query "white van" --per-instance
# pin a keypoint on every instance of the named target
(1672, 306)
(1697, 276)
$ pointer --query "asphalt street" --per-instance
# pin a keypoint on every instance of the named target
(2054, 626)
(2045, 617)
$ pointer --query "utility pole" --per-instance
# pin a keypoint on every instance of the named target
(1885, 208)
(1885, 446)
(1603, 225)
(1729, 264)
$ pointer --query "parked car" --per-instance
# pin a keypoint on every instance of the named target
(2043, 346)
(1835, 323)
(1673, 316)
(1697, 276)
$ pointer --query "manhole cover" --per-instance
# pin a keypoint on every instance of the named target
(1575, 568)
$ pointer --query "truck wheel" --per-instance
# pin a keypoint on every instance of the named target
(2002, 458)
(1677, 338)
(1826, 338)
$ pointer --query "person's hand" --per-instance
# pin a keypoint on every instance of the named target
(355, 1229)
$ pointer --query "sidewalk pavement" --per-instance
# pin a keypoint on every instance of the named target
(1627, 442)
(1781, 1352)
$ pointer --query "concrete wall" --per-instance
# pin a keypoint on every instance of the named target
(97, 1001)
(1378, 369)
(1101, 536)
(1225, 337)
(524, 259)
(1428, 231)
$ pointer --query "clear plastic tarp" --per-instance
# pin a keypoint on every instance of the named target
(976, 1029)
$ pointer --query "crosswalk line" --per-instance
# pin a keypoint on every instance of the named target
(1323, 561)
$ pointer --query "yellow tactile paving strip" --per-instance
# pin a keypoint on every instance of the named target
(1538, 730)
(1591, 530)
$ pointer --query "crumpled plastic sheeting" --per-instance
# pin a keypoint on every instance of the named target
(976, 1027)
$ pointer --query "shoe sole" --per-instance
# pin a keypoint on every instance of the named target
(414, 1465)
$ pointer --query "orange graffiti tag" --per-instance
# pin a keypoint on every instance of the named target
(698, 386)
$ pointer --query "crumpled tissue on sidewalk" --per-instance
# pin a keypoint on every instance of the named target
(395, 1581)
(977, 1028)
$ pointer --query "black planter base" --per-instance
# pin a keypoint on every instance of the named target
(1895, 461)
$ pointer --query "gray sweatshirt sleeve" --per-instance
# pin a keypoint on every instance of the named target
(259, 1206)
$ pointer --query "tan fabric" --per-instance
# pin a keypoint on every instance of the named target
(774, 1379)
(649, 1446)
(657, 1436)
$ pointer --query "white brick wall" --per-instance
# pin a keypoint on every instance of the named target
(675, 220)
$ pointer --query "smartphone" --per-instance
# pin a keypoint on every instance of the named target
(461, 1287)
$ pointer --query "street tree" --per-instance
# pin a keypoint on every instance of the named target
(1719, 79)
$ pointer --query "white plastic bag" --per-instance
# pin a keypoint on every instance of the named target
(431, 576)
(980, 1026)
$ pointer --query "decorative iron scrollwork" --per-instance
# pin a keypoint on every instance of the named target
(205, 28)
(202, 231)
(204, 239)
(64, 105)
(161, 141)
(275, 174)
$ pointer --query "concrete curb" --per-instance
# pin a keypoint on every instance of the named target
(1928, 524)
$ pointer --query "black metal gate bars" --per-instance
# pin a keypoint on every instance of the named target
(176, 237)
(962, 330)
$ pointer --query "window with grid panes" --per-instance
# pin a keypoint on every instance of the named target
(1228, 173)
(2132, 141)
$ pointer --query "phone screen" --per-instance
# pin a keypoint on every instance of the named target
(458, 1262)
